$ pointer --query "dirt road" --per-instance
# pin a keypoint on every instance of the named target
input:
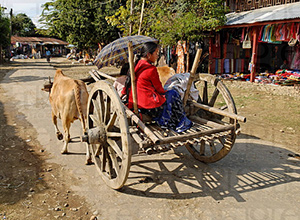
(257, 180)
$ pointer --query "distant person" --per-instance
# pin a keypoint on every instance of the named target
(119, 84)
(48, 55)
(284, 65)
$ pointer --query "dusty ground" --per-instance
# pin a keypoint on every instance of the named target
(276, 108)
(31, 187)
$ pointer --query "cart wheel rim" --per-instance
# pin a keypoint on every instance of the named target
(113, 156)
(214, 93)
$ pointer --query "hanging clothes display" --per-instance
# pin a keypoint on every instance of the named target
(180, 51)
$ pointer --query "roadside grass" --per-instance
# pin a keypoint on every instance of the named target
(271, 117)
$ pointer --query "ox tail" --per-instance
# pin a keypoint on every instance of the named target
(78, 103)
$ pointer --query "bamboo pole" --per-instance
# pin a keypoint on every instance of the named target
(104, 75)
(192, 75)
(141, 19)
(132, 75)
(220, 112)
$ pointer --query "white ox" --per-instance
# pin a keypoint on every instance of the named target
(68, 99)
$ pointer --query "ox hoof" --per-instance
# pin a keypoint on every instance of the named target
(64, 152)
(59, 136)
(89, 162)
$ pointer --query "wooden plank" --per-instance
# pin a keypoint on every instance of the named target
(142, 126)
(196, 135)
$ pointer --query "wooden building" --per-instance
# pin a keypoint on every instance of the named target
(31, 46)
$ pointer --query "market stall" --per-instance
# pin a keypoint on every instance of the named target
(259, 46)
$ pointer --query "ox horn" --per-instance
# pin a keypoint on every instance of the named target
(49, 80)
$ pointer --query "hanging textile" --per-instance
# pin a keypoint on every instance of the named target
(217, 45)
(212, 66)
(219, 65)
(227, 65)
(216, 65)
(180, 51)
(295, 64)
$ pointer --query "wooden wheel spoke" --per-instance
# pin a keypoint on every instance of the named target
(100, 100)
(205, 93)
(115, 147)
(113, 134)
(222, 140)
(98, 150)
(95, 119)
(97, 111)
(107, 109)
(214, 97)
(112, 121)
(212, 147)
(114, 161)
(202, 147)
(110, 166)
(104, 159)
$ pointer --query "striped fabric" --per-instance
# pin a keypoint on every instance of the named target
(118, 50)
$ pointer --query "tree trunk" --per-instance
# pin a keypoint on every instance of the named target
(1, 60)
(131, 12)
(141, 20)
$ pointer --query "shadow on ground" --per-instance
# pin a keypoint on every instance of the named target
(20, 165)
(249, 166)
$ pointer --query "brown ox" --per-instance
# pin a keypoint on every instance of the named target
(68, 99)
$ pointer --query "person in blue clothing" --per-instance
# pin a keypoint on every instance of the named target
(48, 55)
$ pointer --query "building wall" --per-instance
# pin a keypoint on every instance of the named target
(247, 5)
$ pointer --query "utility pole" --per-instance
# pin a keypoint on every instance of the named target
(141, 19)
(131, 13)
(10, 15)
(10, 33)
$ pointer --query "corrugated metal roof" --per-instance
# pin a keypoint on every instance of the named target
(274, 13)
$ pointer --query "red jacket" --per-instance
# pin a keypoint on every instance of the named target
(149, 89)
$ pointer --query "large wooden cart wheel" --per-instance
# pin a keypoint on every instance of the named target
(106, 116)
(214, 93)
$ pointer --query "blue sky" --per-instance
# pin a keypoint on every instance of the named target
(32, 8)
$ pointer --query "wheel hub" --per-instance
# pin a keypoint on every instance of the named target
(95, 135)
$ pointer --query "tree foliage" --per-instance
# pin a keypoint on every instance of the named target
(23, 26)
(4, 30)
(171, 20)
(80, 22)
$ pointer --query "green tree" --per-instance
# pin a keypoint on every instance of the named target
(80, 22)
(172, 20)
(23, 26)
(4, 33)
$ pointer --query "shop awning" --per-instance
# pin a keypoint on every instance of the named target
(286, 12)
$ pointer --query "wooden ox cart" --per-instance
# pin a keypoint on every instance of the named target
(112, 127)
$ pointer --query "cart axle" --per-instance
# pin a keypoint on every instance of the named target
(95, 135)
